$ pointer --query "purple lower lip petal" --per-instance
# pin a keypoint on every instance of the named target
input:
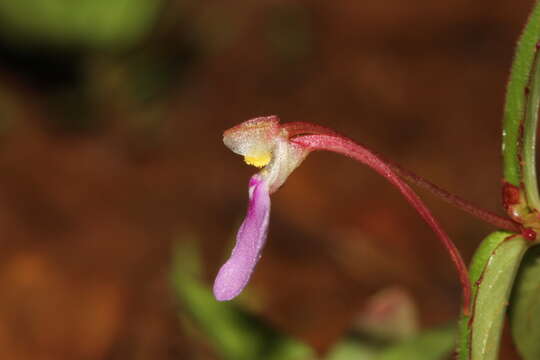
(235, 273)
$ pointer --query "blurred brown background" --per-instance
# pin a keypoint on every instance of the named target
(111, 151)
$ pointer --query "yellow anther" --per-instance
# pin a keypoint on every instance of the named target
(258, 161)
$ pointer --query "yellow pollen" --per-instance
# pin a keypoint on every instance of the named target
(258, 161)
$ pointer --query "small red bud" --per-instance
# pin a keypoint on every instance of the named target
(510, 194)
(529, 234)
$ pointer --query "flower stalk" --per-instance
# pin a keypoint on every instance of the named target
(301, 128)
(278, 149)
(360, 153)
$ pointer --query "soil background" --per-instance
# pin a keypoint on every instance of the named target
(109, 157)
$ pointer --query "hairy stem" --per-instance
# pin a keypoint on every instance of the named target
(357, 152)
(484, 215)
(302, 128)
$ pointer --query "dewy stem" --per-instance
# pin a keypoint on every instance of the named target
(302, 128)
(358, 152)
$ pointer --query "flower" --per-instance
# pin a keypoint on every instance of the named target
(264, 143)
(278, 150)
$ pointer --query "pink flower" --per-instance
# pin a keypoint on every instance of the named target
(263, 143)
(278, 150)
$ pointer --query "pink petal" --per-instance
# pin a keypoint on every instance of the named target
(235, 273)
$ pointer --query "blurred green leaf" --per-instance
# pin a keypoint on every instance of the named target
(235, 334)
(516, 97)
(93, 23)
(492, 274)
(388, 329)
(434, 344)
(352, 349)
(525, 306)
(430, 345)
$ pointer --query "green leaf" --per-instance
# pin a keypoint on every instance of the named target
(94, 23)
(352, 349)
(516, 97)
(234, 333)
(492, 274)
(430, 345)
(525, 306)
(434, 344)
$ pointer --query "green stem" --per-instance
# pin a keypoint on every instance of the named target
(529, 137)
(516, 97)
